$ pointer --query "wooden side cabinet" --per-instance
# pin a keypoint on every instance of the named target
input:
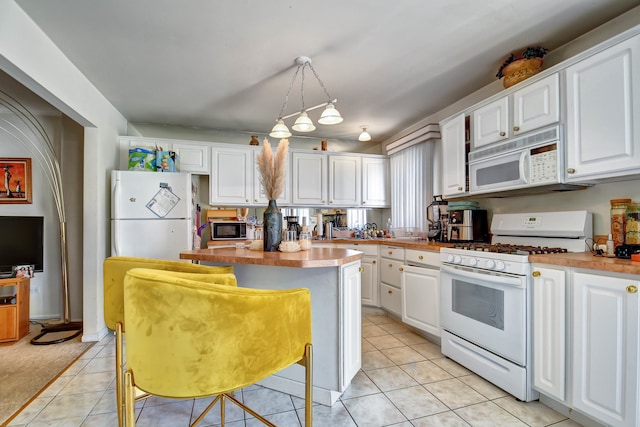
(14, 315)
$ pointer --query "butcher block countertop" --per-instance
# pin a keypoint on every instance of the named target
(314, 258)
(588, 260)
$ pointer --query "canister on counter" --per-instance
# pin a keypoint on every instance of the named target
(618, 219)
(632, 226)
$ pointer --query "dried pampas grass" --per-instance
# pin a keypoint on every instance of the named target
(272, 169)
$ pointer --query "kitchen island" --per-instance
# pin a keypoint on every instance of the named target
(333, 277)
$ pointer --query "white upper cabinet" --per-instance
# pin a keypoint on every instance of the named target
(309, 185)
(231, 180)
(534, 106)
(259, 196)
(491, 123)
(454, 174)
(345, 180)
(375, 182)
(194, 157)
(603, 114)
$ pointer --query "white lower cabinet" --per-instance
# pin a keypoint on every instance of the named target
(549, 331)
(421, 298)
(595, 372)
(351, 324)
(605, 348)
(391, 264)
(369, 268)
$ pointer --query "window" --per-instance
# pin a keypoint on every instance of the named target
(411, 186)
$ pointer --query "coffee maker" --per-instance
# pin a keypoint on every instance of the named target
(468, 225)
(438, 218)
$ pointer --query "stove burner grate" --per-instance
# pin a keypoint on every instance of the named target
(505, 248)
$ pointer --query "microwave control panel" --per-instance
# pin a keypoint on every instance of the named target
(544, 164)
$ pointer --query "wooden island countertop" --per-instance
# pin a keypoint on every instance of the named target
(313, 258)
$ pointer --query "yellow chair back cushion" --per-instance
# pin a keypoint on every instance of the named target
(116, 267)
(187, 338)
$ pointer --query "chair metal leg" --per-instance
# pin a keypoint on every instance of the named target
(129, 399)
(208, 408)
(119, 374)
(308, 388)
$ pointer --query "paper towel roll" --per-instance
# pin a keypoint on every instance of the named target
(319, 227)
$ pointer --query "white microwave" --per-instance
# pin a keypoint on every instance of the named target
(530, 161)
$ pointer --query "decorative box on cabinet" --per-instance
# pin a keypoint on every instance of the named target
(14, 316)
(603, 114)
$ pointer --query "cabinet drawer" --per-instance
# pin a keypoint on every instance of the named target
(367, 250)
(391, 272)
(430, 258)
(392, 252)
(390, 299)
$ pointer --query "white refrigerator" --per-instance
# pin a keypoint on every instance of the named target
(151, 214)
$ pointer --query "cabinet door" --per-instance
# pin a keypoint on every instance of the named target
(390, 299)
(344, 181)
(491, 123)
(8, 325)
(605, 348)
(454, 174)
(369, 281)
(351, 324)
(603, 113)
(194, 158)
(420, 294)
(549, 331)
(391, 272)
(231, 181)
(536, 105)
(259, 196)
(309, 183)
(375, 182)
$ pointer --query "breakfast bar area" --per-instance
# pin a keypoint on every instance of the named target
(333, 276)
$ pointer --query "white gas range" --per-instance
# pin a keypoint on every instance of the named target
(486, 294)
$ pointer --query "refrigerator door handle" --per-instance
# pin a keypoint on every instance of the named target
(115, 242)
(115, 198)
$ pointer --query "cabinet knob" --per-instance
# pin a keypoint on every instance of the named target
(632, 289)
(255, 200)
(373, 262)
(364, 203)
(536, 274)
(246, 200)
(390, 292)
(330, 201)
(459, 188)
(516, 128)
(390, 265)
(401, 269)
(420, 257)
(503, 133)
(361, 269)
(571, 170)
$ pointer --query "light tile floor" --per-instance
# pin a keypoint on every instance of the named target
(404, 381)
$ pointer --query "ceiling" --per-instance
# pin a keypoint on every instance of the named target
(227, 64)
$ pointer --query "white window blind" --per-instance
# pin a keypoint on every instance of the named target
(411, 185)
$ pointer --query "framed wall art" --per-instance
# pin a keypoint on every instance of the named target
(15, 180)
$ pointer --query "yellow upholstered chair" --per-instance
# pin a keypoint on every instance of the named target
(190, 339)
(115, 269)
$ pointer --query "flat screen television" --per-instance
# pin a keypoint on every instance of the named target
(21, 242)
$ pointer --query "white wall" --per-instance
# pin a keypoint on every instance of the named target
(28, 55)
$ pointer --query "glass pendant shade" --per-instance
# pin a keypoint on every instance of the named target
(280, 130)
(364, 136)
(330, 116)
(303, 123)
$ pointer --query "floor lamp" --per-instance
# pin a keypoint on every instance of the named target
(39, 144)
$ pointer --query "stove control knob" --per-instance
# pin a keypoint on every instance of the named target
(473, 262)
(449, 258)
(500, 265)
(457, 259)
(490, 263)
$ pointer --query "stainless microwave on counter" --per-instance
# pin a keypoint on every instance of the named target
(228, 230)
(530, 161)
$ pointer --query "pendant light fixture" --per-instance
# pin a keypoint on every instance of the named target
(364, 136)
(303, 123)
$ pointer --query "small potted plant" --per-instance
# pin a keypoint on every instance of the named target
(517, 68)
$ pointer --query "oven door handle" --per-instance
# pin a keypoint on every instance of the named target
(471, 273)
